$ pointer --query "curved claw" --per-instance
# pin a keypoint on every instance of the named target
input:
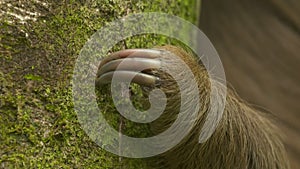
(139, 78)
(130, 63)
(141, 53)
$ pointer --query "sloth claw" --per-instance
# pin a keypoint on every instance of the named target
(136, 63)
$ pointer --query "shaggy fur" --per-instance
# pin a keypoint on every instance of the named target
(244, 139)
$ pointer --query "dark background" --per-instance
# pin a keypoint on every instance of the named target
(259, 44)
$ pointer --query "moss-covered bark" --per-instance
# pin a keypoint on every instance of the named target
(38, 126)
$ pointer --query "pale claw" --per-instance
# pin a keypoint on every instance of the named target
(128, 63)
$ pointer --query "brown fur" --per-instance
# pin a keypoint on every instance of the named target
(259, 44)
(244, 139)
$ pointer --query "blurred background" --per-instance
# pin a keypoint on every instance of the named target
(259, 44)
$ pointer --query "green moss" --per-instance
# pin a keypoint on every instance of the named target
(38, 125)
